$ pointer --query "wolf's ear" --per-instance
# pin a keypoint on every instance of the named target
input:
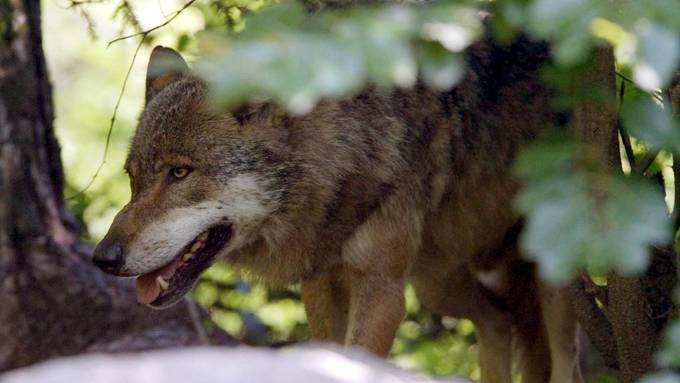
(165, 67)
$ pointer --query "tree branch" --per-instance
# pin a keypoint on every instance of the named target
(112, 122)
(122, 91)
(146, 32)
(625, 138)
(646, 162)
(594, 322)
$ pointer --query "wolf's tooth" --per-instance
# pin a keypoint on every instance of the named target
(162, 283)
(187, 257)
(203, 236)
(196, 246)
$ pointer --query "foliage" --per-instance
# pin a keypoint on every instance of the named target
(579, 218)
(669, 356)
(662, 377)
(336, 53)
(652, 123)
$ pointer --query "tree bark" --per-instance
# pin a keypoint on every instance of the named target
(54, 302)
(625, 328)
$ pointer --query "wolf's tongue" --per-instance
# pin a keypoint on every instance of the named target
(147, 288)
(147, 285)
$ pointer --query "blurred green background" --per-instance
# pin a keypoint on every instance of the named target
(87, 76)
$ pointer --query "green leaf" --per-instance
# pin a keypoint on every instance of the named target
(567, 23)
(294, 69)
(669, 355)
(577, 218)
(663, 377)
(658, 55)
(382, 38)
(648, 121)
(549, 15)
(440, 69)
(553, 153)
(453, 26)
(295, 61)
(289, 14)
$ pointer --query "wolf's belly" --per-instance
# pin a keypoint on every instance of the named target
(470, 220)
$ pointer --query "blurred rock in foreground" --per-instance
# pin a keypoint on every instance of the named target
(308, 364)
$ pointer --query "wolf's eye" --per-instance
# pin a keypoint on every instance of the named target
(179, 172)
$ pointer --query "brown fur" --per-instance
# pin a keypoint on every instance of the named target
(371, 192)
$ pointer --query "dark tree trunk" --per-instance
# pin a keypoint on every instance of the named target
(626, 324)
(53, 302)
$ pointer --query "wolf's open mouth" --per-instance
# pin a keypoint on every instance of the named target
(168, 284)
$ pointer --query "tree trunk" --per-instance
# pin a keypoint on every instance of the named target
(625, 326)
(54, 301)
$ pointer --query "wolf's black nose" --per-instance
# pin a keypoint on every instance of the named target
(108, 257)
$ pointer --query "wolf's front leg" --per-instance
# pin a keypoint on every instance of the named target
(376, 310)
(377, 259)
(326, 299)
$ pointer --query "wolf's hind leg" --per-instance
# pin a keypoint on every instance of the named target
(562, 328)
(494, 338)
(326, 300)
(493, 326)
(534, 351)
(457, 293)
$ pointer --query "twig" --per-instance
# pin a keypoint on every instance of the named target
(122, 91)
(646, 162)
(622, 92)
(160, 7)
(595, 323)
(656, 95)
(625, 138)
(77, 3)
(624, 78)
(128, 16)
(597, 292)
(88, 21)
(146, 32)
(676, 199)
(112, 122)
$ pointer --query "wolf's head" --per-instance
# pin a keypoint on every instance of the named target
(201, 184)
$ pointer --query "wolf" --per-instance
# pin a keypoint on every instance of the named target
(353, 200)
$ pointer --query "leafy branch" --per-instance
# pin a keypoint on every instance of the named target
(146, 32)
(143, 34)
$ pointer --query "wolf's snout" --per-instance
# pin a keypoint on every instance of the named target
(109, 257)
